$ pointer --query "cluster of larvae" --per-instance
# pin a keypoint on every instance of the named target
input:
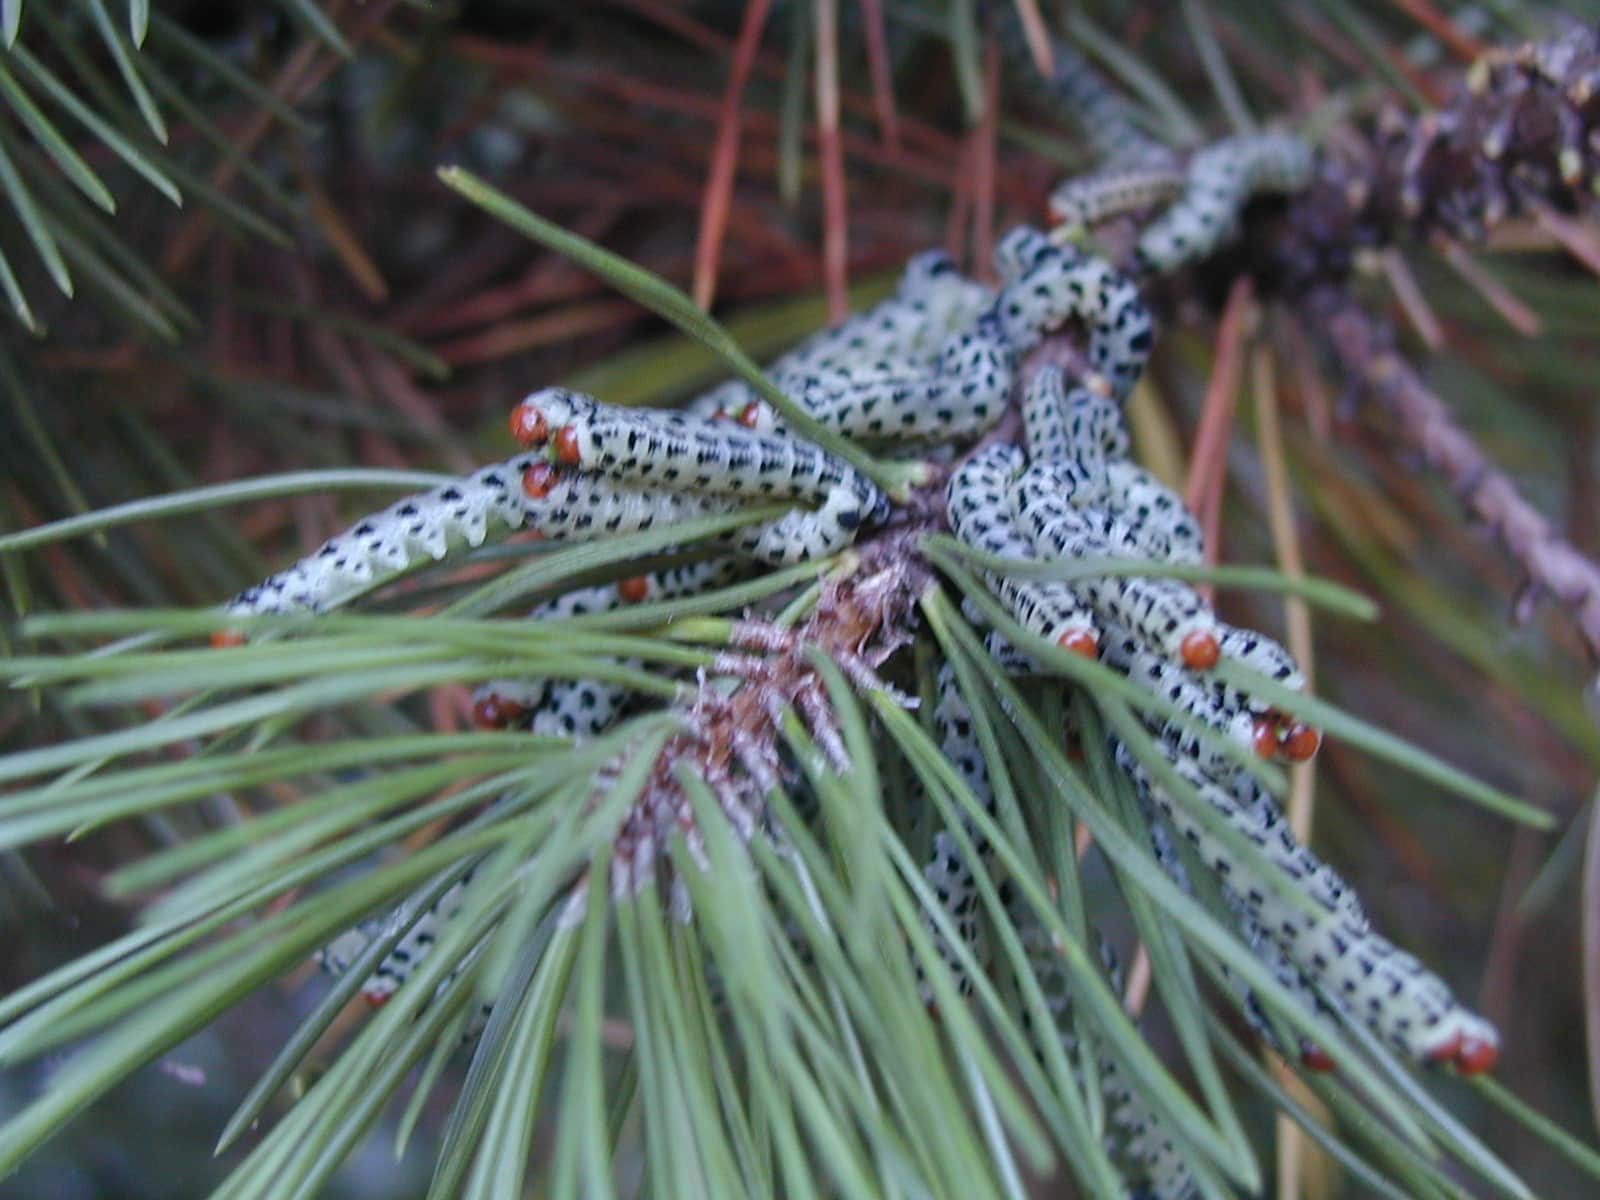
(936, 366)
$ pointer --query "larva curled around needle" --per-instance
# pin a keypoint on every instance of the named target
(1082, 431)
(947, 870)
(1077, 429)
(1266, 951)
(1135, 1139)
(524, 492)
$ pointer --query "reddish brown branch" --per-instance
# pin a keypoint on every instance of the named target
(1363, 346)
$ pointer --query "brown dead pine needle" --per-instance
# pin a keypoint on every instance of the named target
(882, 80)
(835, 243)
(1209, 462)
(725, 158)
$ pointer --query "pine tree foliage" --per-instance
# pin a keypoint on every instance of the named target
(584, 965)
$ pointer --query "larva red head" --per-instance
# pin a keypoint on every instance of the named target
(1445, 1052)
(1301, 742)
(376, 999)
(1080, 641)
(528, 425)
(1468, 1053)
(495, 712)
(224, 639)
(1264, 737)
(1315, 1058)
(566, 443)
(634, 590)
(538, 479)
(1199, 651)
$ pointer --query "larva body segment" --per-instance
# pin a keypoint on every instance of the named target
(424, 527)
(977, 502)
(1362, 972)
(680, 452)
(1053, 284)
(579, 709)
(1251, 933)
(1076, 90)
(1081, 431)
(1114, 191)
(1071, 429)
(910, 328)
(1006, 656)
(397, 966)
(1259, 653)
(581, 506)
(947, 871)
(801, 535)
(562, 505)
(1135, 1140)
(933, 300)
(582, 708)
(961, 393)
(1154, 515)
(1220, 181)
(1170, 681)
(1161, 612)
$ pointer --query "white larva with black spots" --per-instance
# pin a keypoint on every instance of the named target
(947, 871)
(579, 709)
(584, 708)
(1114, 191)
(1264, 948)
(1220, 181)
(961, 393)
(1080, 426)
(1155, 516)
(1261, 654)
(525, 491)
(424, 527)
(1082, 431)
(1133, 1136)
(682, 453)
(1364, 974)
(910, 328)
(1077, 90)
(338, 955)
(1137, 1142)
(977, 502)
(1164, 613)
(1053, 284)
(1166, 679)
